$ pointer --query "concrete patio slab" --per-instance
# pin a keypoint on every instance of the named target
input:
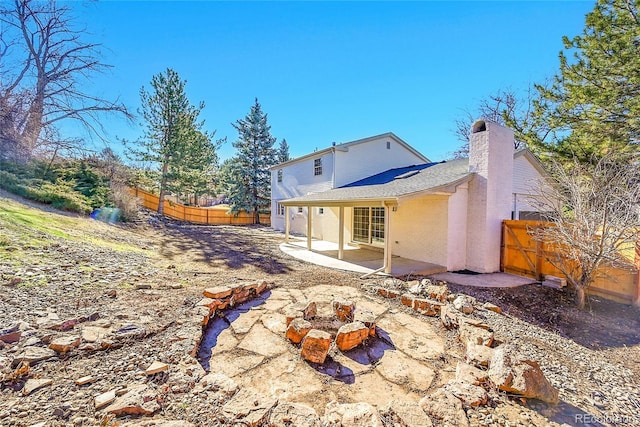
(488, 280)
(364, 261)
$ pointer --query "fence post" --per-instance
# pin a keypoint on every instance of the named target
(636, 296)
(503, 245)
(539, 259)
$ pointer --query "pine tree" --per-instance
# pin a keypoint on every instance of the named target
(594, 103)
(254, 157)
(173, 140)
(283, 151)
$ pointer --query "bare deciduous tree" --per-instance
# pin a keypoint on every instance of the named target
(506, 107)
(593, 208)
(43, 63)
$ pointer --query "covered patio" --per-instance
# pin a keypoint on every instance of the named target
(359, 260)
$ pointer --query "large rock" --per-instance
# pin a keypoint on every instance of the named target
(298, 329)
(448, 317)
(479, 355)
(445, 407)
(293, 414)
(513, 374)
(217, 382)
(351, 415)
(138, 400)
(351, 335)
(33, 355)
(469, 394)
(405, 414)
(368, 318)
(472, 334)
(33, 384)
(344, 309)
(315, 346)
(248, 408)
(463, 304)
(470, 374)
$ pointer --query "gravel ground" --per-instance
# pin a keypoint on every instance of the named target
(143, 281)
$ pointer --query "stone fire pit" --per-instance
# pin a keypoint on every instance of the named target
(317, 333)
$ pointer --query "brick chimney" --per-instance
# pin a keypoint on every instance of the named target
(491, 149)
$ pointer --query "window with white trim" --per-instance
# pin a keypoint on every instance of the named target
(279, 175)
(317, 167)
(280, 209)
(368, 225)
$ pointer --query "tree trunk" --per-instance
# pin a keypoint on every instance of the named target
(256, 216)
(581, 297)
(163, 185)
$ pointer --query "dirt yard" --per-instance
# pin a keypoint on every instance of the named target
(80, 298)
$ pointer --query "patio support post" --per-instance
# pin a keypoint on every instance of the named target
(341, 233)
(287, 224)
(309, 214)
(387, 239)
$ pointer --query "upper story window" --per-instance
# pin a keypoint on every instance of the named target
(388, 145)
(279, 175)
(317, 167)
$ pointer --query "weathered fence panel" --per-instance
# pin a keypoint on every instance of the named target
(196, 215)
(524, 256)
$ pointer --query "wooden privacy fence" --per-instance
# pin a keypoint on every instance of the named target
(523, 255)
(209, 216)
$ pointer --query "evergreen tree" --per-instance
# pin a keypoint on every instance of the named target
(283, 151)
(252, 191)
(173, 140)
(594, 103)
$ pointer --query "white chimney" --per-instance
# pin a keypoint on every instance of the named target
(491, 149)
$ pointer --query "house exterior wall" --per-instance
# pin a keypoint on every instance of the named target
(528, 183)
(372, 157)
(298, 179)
(457, 229)
(490, 194)
(419, 229)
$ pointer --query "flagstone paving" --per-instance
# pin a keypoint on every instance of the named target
(249, 345)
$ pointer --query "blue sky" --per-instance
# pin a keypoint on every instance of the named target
(334, 71)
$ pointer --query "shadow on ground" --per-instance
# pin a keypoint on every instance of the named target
(603, 324)
(234, 247)
(219, 323)
(367, 354)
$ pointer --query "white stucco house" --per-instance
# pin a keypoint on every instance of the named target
(381, 192)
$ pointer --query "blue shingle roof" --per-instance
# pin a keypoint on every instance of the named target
(388, 175)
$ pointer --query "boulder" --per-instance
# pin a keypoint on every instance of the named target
(472, 334)
(448, 317)
(426, 307)
(519, 376)
(470, 374)
(479, 355)
(293, 414)
(217, 382)
(217, 292)
(492, 307)
(469, 394)
(247, 407)
(405, 414)
(298, 329)
(138, 400)
(34, 384)
(445, 407)
(463, 304)
(33, 355)
(64, 344)
(351, 415)
(315, 346)
(344, 309)
(368, 318)
(351, 335)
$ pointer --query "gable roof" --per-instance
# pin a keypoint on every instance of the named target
(429, 178)
(345, 147)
